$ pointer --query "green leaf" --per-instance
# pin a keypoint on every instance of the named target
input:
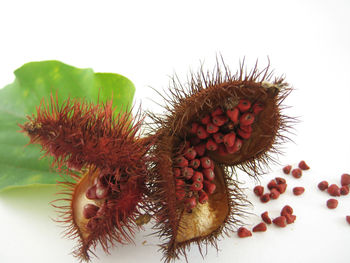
(20, 164)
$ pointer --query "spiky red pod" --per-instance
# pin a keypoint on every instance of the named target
(105, 199)
(243, 118)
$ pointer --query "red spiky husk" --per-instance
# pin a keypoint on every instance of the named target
(207, 96)
(109, 157)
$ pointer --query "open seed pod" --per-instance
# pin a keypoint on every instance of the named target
(106, 191)
(221, 120)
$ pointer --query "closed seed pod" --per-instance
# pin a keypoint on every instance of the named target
(178, 225)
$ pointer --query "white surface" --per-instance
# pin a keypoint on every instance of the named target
(149, 40)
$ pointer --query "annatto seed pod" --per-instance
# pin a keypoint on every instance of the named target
(250, 103)
(106, 190)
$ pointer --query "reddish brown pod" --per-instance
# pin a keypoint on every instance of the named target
(224, 118)
(109, 159)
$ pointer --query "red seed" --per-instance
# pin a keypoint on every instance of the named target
(243, 232)
(280, 180)
(233, 115)
(298, 190)
(229, 139)
(211, 145)
(212, 128)
(303, 166)
(177, 172)
(180, 161)
(102, 191)
(296, 173)
(345, 179)
(179, 183)
(286, 210)
(247, 118)
(243, 134)
(348, 219)
(332, 203)
(180, 194)
(203, 197)
(257, 108)
(90, 210)
(344, 190)
(197, 177)
(244, 105)
(236, 147)
(265, 198)
(260, 227)
(194, 127)
(196, 186)
(191, 202)
(220, 120)
(200, 149)
(187, 172)
(195, 141)
(190, 153)
(258, 190)
(209, 174)
(290, 218)
(216, 112)
(281, 188)
(209, 187)
(91, 193)
(274, 194)
(218, 137)
(265, 217)
(206, 119)
(206, 162)
(195, 163)
(323, 185)
(280, 221)
(333, 190)
(287, 169)
(202, 133)
(272, 184)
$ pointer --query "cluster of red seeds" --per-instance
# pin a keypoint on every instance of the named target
(297, 173)
(335, 190)
(222, 131)
(276, 186)
(285, 218)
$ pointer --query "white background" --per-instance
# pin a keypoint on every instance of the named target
(148, 41)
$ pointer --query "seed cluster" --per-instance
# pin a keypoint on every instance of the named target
(221, 131)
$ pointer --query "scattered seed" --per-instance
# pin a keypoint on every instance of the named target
(280, 180)
(290, 218)
(303, 166)
(299, 190)
(280, 221)
(274, 194)
(348, 219)
(344, 190)
(265, 198)
(296, 173)
(265, 217)
(258, 190)
(243, 232)
(281, 188)
(332, 203)
(286, 210)
(260, 227)
(287, 169)
(272, 184)
(345, 179)
(323, 185)
(333, 190)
